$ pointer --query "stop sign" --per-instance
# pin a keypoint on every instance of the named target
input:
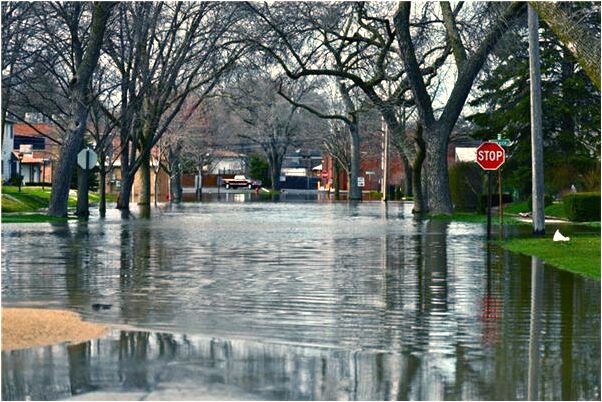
(490, 156)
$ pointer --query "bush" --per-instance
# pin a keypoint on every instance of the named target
(259, 169)
(465, 186)
(495, 201)
(582, 207)
(547, 201)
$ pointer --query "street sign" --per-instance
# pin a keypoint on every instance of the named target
(361, 182)
(490, 156)
(502, 142)
(86, 158)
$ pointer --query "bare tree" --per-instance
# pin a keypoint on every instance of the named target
(17, 52)
(354, 42)
(164, 52)
(85, 60)
(468, 63)
(269, 121)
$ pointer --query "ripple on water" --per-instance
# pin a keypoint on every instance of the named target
(329, 276)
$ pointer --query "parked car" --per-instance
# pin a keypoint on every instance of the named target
(241, 181)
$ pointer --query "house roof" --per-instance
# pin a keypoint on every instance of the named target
(35, 158)
(223, 153)
(27, 131)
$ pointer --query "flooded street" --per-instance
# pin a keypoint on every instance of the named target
(299, 300)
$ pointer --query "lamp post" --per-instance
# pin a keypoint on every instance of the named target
(20, 178)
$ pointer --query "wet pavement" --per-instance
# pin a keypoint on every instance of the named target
(298, 300)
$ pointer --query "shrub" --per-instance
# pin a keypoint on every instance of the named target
(582, 207)
(547, 201)
(465, 186)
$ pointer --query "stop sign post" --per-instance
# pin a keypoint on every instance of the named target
(490, 157)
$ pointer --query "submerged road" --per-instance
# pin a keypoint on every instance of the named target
(298, 300)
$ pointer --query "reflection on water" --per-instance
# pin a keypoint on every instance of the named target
(301, 301)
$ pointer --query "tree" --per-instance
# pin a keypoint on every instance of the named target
(269, 121)
(259, 169)
(85, 62)
(581, 36)
(355, 42)
(468, 64)
(571, 113)
(163, 53)
(17, 52)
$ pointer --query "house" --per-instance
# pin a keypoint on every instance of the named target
(34, 150)
(301, 163)
(227, 162)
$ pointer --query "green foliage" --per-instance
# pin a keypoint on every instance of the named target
(259, 169)
(32, 199)
(30, 218)
(547, 201)
(580, 255)
(582, 207)
(465, 186)
(92, 179)
(571, 115)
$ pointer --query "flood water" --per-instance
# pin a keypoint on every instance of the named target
(299, 300)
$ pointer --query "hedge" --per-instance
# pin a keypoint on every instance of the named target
(465, 186)
(582, 207)
(547, 201)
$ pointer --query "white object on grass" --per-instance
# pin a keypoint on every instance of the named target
(559, 237)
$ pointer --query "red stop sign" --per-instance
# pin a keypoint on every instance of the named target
(490, 156)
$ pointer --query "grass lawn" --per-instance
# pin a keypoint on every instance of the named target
(30, 218)
(473, 217)
(580, 255)
(32, 199)
(555, 210)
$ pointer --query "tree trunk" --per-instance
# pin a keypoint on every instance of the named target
(79, 112)
(408, 176)
(355, 192)
(336, 180)
(420, 204)
(176, 186)
(61, 177)
(102, 205)
(439, 198)
(145, 181)
(156, 187)
(580, 39)
(123, 200)
(275, 166)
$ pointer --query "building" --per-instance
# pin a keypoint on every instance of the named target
(301, 163)
(34, 149)
(227, 162)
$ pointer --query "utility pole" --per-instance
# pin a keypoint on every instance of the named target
(536, 134)
(385, 183)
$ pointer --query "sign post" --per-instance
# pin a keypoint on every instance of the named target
(86, 159)
(490, 156)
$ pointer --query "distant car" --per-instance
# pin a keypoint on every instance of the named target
(241, 181)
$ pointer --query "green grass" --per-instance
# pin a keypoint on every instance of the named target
(30, 218)
(555, 210)
(516, 207)
(30, 199)
(33, 199)
(475, 218)
(580, 255)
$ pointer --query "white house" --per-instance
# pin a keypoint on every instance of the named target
(227, 162)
